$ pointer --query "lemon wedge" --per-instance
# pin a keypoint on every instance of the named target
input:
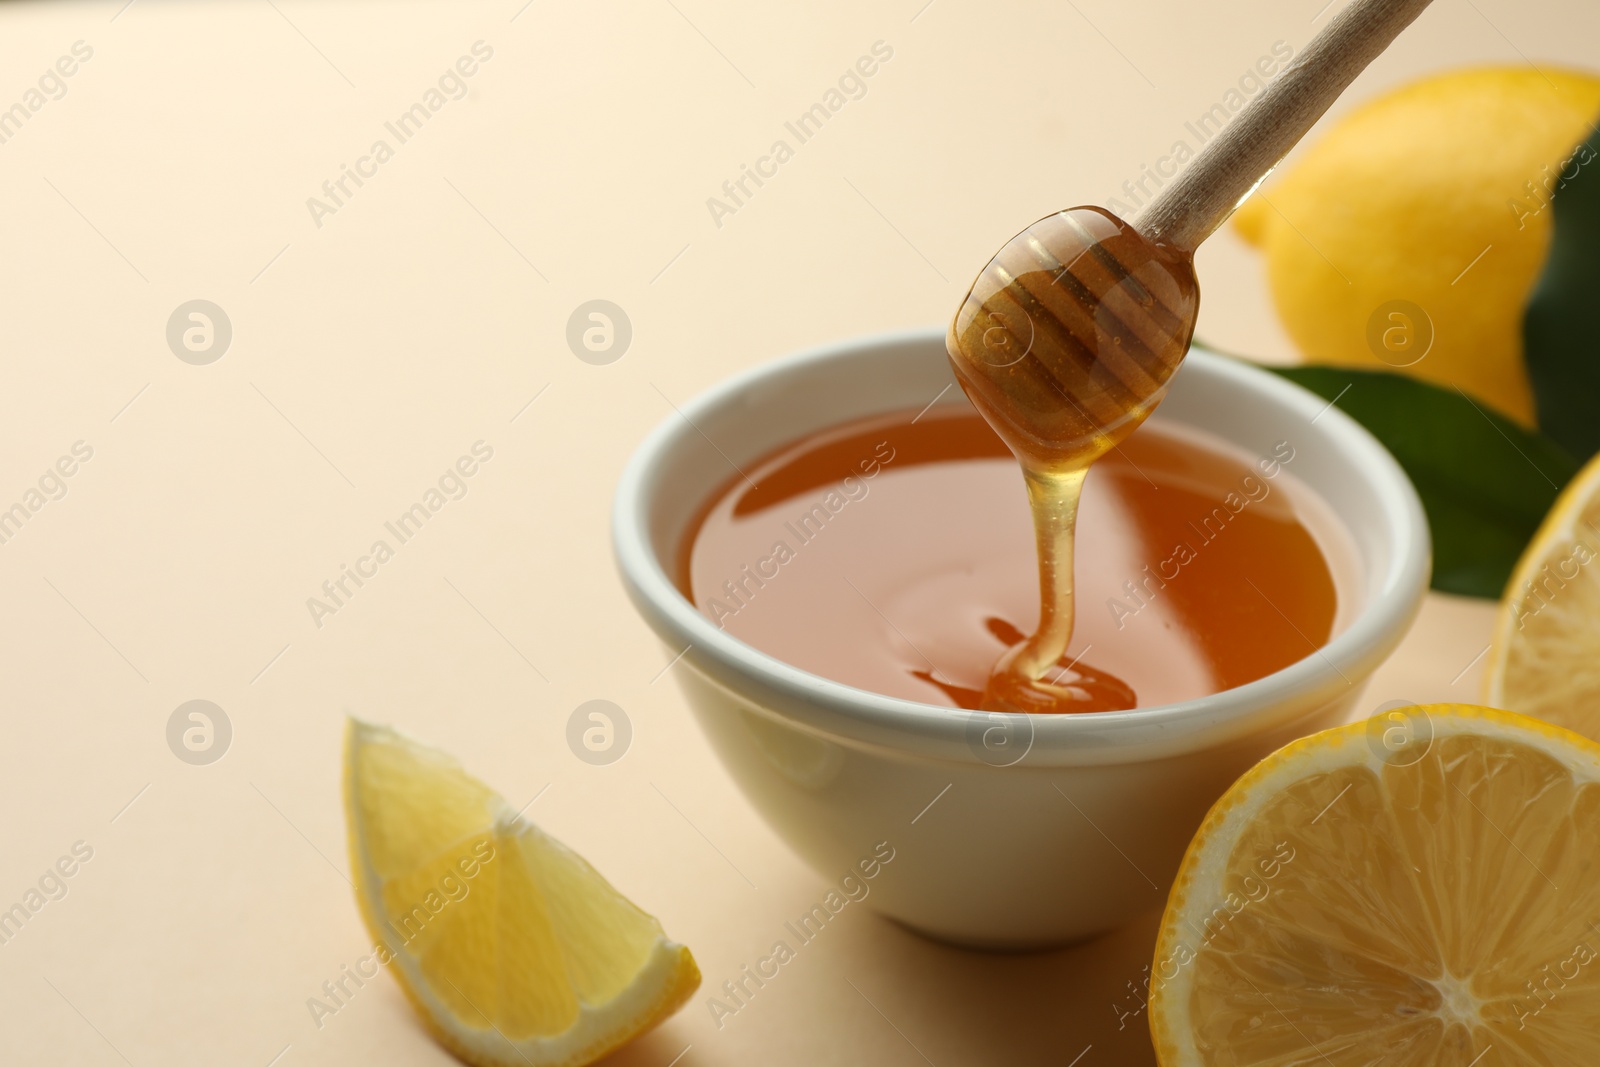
(1417, 891)
(515, 951)
(1545, 657)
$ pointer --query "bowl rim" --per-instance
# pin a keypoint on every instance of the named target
(840, 712)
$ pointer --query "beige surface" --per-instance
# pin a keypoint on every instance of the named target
(421, 318)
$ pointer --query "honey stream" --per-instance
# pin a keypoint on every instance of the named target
(1065, 344)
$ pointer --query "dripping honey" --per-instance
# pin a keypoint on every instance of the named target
(1065, 343)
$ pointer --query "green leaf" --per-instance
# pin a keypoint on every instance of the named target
(1485, 482)
(1560, 347)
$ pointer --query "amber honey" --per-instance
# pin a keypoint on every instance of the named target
(898, 555)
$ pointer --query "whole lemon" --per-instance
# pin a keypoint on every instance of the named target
(1411, 234)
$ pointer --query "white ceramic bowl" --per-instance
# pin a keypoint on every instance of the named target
(1086, 829)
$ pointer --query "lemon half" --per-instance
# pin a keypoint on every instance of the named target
(1545, 657)
(1418, 891)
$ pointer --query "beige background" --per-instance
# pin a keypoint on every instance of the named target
(370, 352)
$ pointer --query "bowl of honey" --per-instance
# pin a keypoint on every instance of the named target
(840, 548)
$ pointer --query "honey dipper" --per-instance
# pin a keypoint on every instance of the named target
(1068, 338)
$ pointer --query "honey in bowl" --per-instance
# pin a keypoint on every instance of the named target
(896, 554)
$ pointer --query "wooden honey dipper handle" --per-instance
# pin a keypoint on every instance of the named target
(1233, 163)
